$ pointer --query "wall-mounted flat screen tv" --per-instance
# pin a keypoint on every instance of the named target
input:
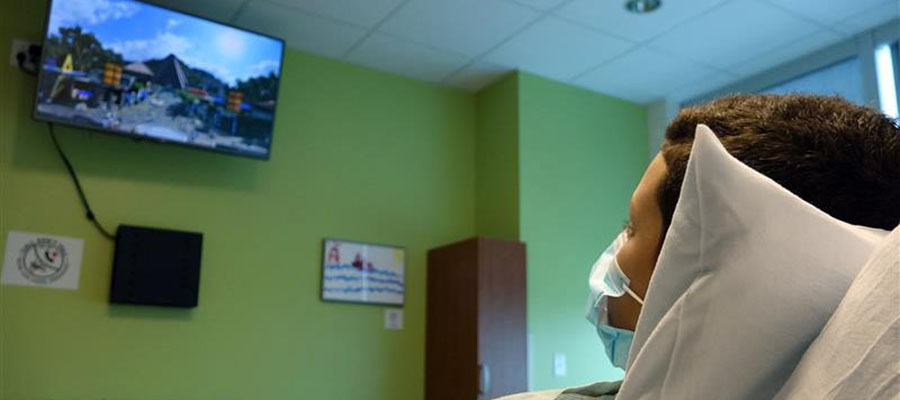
(143, 71)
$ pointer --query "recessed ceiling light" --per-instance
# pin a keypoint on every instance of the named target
(642, 6)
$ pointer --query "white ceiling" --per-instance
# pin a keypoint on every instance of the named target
(685, 48)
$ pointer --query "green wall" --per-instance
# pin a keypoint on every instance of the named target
(556, 166)
(497, 159)
(357, 154)
(580, 156)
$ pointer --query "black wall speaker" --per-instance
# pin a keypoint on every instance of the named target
(156, 267)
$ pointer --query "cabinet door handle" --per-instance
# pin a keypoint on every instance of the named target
(484, 379)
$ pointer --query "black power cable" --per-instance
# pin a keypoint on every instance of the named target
(34, 55)
(87, 207)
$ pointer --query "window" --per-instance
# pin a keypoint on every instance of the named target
(842, 78)
(864, 69)
(886, 74)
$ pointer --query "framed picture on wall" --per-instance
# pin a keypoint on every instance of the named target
(363, 272)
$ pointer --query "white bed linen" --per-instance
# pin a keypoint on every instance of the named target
(857, 355)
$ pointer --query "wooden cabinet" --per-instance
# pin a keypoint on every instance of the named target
(475, 320)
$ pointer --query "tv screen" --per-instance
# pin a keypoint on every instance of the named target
(147, 72)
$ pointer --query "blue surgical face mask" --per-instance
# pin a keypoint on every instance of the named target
(607, 280)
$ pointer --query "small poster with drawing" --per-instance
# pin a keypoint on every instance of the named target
(363, 272)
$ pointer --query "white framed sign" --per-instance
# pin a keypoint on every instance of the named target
(36, 259)
(363, 272)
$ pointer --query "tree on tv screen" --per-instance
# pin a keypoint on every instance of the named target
(87, 52)
(259, 89)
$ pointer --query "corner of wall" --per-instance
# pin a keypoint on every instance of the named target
(496, 159)
(659, 114)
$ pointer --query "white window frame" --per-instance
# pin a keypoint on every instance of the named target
(886, 68)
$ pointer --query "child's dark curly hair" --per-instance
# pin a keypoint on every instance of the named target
(841, 157)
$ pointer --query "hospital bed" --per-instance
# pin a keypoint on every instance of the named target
(759, 295)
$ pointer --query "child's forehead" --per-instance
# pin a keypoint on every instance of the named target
(643, 201)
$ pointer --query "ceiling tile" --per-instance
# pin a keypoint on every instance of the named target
(870, 18)
(785, 53)
(557, 49)
(405, 58)
(470, 27)
(540, 4)
(703, 85)
(300, 30)
(476, 76)
(612, 17)
(826, 11)
(642, 75)
(217, 10)
(734, 32)
(365, 13)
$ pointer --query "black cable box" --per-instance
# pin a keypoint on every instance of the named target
(156, 267)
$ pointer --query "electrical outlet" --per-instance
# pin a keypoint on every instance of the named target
(559, 364)
(393, 318)
(19, 46)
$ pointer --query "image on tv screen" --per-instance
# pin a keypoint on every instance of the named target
(144, 71)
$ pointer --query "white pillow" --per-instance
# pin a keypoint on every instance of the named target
(748, 275)
(857, 355)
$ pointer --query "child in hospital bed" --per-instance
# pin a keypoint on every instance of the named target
(842, 158)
